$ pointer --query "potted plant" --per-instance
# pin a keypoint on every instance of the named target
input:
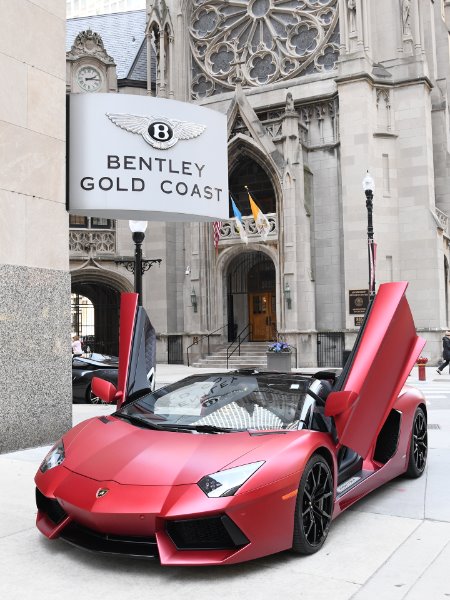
(279, 357)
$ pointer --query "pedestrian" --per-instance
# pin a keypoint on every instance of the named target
(76, 346)
(445, 353)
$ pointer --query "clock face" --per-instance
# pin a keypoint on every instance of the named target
(89, 79)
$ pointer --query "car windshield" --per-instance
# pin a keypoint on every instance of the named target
(224, 402)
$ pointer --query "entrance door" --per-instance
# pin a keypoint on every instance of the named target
(262, 316)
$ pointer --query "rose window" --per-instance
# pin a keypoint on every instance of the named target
(260, 41)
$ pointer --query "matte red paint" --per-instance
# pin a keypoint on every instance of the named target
(384, 359)
(128, 308)
(103, 389)
(152, 476)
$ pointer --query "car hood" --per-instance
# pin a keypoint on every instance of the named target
(109, 449)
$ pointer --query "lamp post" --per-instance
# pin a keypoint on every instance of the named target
(138, 229)
(369, 188)
(138, 266)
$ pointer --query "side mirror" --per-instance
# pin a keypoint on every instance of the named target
(103, 389)
(339, 402)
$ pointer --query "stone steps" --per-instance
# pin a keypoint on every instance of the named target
(253, 354)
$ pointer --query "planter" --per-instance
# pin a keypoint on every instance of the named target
(279, 361)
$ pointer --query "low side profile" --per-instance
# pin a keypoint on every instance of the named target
(227, 467)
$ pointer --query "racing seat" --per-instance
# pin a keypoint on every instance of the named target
(349, 462)
(319, 390)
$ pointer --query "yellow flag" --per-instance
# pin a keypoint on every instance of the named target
(261, 222)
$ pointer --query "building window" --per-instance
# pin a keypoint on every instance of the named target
(77, 222)
(101, 223)
(83, 320)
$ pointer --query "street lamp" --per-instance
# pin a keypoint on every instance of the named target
(369, 188)
(138, 230)
(138, 266)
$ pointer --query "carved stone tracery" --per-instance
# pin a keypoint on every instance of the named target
(89, 43)
(260, 41)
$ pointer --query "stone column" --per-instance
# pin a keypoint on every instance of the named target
(295, 252)
(35, 350)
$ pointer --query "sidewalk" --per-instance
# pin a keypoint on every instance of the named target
(394, 544)
(166, 374)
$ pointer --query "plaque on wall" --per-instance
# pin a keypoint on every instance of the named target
(359, 321)
(358, 301)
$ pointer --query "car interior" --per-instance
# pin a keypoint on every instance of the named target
(349, 462)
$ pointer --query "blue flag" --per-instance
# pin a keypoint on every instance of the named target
(239, 222)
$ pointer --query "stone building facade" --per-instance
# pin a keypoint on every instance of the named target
(316, 93)
(35, 351)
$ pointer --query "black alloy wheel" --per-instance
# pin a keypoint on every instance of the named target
(419, 445)
(314, 508)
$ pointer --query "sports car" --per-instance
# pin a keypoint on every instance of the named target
(228, 467)
(85, 368)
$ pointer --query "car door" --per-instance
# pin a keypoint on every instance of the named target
(387, 350)
(137, 349)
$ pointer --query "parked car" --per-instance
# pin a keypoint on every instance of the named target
(227, 467)
(87, 366)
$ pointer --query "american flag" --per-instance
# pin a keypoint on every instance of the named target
(216, 234)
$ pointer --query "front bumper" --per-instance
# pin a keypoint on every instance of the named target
(178, 525)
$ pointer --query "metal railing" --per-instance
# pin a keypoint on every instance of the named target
(197, 341)
(238, 341)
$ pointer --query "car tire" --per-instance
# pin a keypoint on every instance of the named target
(314, 507)
(418, 447)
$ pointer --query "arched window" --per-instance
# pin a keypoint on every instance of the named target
(249, 173)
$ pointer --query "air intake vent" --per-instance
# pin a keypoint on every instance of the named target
(215, 533)
(50, 507)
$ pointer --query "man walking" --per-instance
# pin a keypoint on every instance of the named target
(445, 353)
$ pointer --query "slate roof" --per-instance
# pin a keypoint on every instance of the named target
(138, 71)
(123, 35)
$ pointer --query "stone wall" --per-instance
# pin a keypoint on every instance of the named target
(35, 356)
(35, 351)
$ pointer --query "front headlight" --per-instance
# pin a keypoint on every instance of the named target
(228, 481)
(54, 458)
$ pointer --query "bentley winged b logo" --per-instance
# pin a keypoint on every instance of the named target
(160, 132)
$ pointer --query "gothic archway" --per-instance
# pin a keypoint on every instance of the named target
(102, 290)
(251, 296)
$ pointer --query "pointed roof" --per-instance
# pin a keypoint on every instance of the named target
(240, 111)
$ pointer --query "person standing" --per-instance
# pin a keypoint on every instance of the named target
(445, 353)
(76, 346)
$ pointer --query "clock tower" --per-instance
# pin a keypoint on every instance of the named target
(89, 66)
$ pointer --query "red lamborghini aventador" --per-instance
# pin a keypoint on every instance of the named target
(224, 468)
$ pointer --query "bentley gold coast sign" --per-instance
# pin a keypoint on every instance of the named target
(143, 158)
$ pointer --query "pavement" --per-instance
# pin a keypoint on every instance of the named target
(394, 544)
